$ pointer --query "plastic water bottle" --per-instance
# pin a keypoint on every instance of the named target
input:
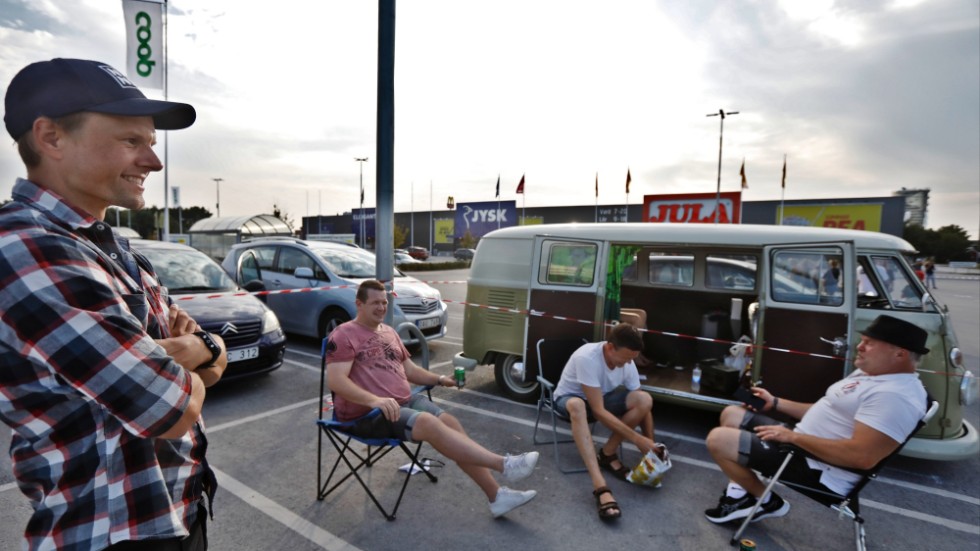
(696, 378)
(328, 403)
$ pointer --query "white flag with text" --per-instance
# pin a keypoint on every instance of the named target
(144, 42)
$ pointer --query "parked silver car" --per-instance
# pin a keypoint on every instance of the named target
(281, 264)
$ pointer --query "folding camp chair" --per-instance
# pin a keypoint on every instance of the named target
(354, 460)
(846, 505)
(554, 354)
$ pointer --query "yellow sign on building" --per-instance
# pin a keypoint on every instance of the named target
(854, 217)
(444, 230)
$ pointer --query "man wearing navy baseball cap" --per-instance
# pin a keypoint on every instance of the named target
(103, 378)
(859, 421)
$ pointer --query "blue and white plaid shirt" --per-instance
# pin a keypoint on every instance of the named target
(85, 387)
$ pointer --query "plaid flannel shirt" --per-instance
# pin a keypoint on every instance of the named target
(85, 387)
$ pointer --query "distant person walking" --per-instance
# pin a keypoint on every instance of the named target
(930, 268)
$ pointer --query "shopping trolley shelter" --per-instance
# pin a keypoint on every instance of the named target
(263, 445)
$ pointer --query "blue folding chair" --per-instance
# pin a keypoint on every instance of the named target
(352, 459)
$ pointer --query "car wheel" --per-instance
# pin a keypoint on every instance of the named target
(511, 383)
(331, 317)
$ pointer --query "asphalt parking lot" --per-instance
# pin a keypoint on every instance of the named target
(263, 447)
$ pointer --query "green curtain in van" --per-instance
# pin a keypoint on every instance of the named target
(620, 257)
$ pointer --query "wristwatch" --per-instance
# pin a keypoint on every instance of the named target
(212, 347)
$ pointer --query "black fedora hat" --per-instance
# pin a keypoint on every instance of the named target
(898, 332)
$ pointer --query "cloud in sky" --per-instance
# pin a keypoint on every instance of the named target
(864, 98)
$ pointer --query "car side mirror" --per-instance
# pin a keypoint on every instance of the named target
(304, 273)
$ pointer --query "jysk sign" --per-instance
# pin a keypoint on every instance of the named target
(144, 42)
(482, 218)
(693, 208)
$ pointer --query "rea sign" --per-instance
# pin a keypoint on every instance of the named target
(693, 208)
(853, 217)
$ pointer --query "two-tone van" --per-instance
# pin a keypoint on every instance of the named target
(799, 295)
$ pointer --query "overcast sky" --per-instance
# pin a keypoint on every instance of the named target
(863, 97)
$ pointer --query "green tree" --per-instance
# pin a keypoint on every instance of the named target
(467, 241)
(400, 236)
(283, 215)
(945, 244)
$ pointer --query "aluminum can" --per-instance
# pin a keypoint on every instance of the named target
(459, 375)
(746, 545)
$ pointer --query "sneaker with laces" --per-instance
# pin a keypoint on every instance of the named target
(730, 508)
(775, 507)
(517, 467)
(507, 500)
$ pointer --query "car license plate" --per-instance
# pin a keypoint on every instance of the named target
(243, 354)
(427, 323)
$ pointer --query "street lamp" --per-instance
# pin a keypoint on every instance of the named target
(217, 200)
(721, 113)
(362, 160)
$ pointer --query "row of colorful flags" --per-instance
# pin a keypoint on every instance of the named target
(629, 178)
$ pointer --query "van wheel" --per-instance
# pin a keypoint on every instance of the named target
(512, 384)
(331, 318)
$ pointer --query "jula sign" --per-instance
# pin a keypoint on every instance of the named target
(693, 208)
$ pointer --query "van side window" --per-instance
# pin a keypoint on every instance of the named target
(732, 272)
(896, 283)
(809, 278)
(570, 264)
(676, 269)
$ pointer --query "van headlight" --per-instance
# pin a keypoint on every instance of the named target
(270, 322)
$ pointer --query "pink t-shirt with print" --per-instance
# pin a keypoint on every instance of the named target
(377, 358)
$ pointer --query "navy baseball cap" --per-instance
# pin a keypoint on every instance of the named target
(62, 87)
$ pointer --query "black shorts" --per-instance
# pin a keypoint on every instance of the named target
(380, 427)
(766, 457)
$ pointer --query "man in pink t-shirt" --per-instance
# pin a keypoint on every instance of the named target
(369, 367)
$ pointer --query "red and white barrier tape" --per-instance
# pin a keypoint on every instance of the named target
(532, 312)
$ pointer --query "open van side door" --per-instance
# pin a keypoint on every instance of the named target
(805, 318)
(567, 284)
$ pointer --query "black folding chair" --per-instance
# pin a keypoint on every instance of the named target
(354, 460)
(847, 506)
(553, 354)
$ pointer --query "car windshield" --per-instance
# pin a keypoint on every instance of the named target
(184, 271)
(350, 263)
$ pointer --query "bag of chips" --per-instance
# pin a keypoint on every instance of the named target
(650, 471)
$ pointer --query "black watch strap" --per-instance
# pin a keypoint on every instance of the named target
(212, 347)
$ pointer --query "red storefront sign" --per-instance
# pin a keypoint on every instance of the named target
(693, 208)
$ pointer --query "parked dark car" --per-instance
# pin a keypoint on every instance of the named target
(419, 253)
(464, 254)
(251, 331)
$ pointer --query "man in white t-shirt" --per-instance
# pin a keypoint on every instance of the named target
(859, 421)
(600, 381)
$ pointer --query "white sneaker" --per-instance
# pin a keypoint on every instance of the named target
(517, 467)
(508, 500)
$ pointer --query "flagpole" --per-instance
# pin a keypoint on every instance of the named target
(782, 198)
(166, 137)
(596, 198)
(498, 201)
(432, 228)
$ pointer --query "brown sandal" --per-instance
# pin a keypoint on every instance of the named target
(606, 461)
(609, 510)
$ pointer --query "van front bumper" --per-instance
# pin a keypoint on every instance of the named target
(459, 360)
(966, 446)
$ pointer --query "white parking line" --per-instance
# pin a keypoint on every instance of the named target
(282, 515)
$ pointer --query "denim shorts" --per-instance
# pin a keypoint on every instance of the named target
(614, 402)
(380, 427)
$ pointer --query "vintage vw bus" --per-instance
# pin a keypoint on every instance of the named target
(799, 295)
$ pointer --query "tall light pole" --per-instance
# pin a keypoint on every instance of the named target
(362, 160)
(721, 113)
(217, 193)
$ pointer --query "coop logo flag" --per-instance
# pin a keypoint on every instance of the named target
(175, 191)
(144, 42)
